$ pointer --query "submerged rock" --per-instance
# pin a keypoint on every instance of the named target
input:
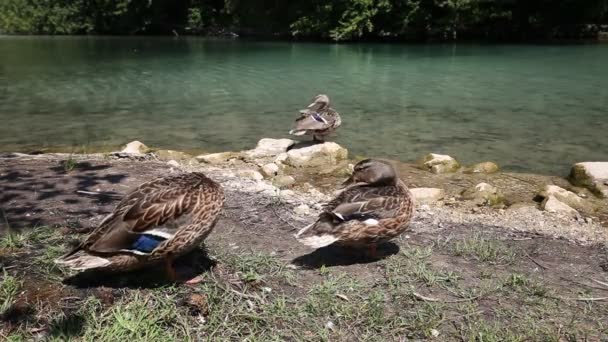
(270, 147)
(485, 167)
(553, 205)
(565, 196)
(427, 195)
(135, 147)
(218, 158)
(484, 194)
(328, 153)
(440, 163)
(592, 175)
(167, 155)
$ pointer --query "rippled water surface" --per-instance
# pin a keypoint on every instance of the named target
(530, 108)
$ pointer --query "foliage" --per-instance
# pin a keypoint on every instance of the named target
(335, 20)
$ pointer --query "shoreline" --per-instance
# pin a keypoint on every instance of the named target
(514, 202)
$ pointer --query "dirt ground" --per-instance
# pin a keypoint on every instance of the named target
(446, 280)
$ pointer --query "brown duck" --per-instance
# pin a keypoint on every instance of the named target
(375, 207)
(318, 120)
(159, 220)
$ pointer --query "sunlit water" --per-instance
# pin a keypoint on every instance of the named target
(530, 108)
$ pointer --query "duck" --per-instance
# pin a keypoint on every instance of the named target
(156, 222)
(375, 206)
(318, 120)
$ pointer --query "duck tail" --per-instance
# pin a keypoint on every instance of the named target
(81, 261)
(308, 238)
(297, 132)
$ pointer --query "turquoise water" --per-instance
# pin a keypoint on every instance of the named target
(530, 108)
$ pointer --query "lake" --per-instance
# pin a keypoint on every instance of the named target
(532, 108)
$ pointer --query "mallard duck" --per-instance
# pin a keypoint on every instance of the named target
(375, 207)
(159, 220)
(318, 120)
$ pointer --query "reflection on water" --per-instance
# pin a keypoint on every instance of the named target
(532, 108)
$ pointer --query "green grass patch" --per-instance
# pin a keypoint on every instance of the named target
(484, 250)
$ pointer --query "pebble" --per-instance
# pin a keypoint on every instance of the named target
(302, 209)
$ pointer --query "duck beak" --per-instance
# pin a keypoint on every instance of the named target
(349, 181)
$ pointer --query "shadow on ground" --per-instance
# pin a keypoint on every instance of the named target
(335, 255)
(153, 276)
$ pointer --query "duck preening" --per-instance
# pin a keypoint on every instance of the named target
(158, 221)
(375, 207)
(318, 119)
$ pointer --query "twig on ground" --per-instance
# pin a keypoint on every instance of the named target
(283, 220)
(436, 300)
(584, 299)
(240, 294)
(536, 262)
(600, 282)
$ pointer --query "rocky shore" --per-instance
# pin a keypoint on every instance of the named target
(304, 176)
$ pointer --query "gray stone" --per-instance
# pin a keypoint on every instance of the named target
(553, 205)
(283, 181)
(328, 153)
(252, 174)
(135, 147)
(440, 163)
(427, 195)
(592, 175)
(270, 147)
(484, 194)
(485, 167)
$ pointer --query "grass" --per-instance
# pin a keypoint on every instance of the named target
(484, 250)
(9, 288)
(416, 294)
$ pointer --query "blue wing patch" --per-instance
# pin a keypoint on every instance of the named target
(147, 243)
(318, 118)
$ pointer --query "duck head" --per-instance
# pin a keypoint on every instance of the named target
(320, 101)
(372, 172)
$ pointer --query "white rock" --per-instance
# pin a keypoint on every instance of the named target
(270, 170)
(250, 174)
(173, 163)
(563, 195)
(593, 175)
(270, 147)
(553, 205)
(440, 163)
(283, 181)
(302, 209)
(281, 158)
(135, 147)
(328, 153)
(217, 158)
(427, 195)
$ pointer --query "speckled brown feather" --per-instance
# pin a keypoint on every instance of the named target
(190, 201)
(391, 205)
